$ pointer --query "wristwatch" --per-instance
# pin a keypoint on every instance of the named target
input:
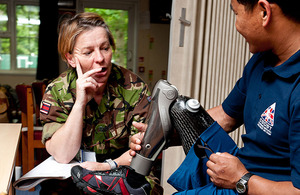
(242, 185)
(111, 163)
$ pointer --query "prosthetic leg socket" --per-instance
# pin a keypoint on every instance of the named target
(189, 119)
(159, 127)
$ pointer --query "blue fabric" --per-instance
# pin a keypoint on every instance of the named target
(188, 175)
(267, 100)
(209, 189)
(191, 177)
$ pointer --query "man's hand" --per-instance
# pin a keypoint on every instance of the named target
(136, 140)
(225, 170)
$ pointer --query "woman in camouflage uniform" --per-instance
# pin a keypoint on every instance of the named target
(92, 105)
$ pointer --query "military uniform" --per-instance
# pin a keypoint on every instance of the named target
(107, 126)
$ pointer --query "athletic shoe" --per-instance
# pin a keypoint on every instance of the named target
(110, 182)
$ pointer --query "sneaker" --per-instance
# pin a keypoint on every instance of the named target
(108, 182)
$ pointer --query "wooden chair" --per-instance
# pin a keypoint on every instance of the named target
(31, 134)
(39, 88)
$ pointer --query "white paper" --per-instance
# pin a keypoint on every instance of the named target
(48, 169)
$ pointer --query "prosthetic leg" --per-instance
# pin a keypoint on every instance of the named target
(159, 127)
(169, 111)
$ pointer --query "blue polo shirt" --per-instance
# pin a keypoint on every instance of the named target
(267, 100)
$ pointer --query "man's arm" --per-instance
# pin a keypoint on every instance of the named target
(224, 120)
(225, 170)
(258, 185)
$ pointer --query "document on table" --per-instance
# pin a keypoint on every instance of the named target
(48, 169)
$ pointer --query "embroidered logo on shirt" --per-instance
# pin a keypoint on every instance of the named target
(266, 121)
(45, 108)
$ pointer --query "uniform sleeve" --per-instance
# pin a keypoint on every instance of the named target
(294, 138)
(54, 111)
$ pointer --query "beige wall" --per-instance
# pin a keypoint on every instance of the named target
(155, 54)
(153, 46)
(13, 80)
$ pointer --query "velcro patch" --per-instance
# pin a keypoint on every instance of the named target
(45, 108)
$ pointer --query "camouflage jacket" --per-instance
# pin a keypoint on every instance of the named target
(107, 127)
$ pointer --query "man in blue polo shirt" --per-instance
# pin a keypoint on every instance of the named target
(266, 100)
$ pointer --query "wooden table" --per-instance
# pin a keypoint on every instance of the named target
(9, 140)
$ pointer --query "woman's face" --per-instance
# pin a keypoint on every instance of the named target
(93, 50)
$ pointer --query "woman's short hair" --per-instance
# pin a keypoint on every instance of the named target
(71, 27)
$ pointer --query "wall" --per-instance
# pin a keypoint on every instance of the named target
(13, 80)
(153, 53)
(153, 47)
(207, 66)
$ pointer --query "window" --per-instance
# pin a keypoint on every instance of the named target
(19, 28)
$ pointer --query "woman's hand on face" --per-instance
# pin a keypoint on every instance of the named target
(136, 140)
(86, 86)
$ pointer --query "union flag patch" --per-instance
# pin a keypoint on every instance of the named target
(45, 108)
(267, 118)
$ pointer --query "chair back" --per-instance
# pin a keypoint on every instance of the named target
(24, 93)
(39, 88)
(29, 130)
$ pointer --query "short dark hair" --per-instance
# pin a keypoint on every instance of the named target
(290, 8)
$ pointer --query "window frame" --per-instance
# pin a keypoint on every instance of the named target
(12, 34)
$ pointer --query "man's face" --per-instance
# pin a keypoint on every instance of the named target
(248, 23)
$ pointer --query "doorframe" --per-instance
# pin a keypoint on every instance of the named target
(132, 7)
